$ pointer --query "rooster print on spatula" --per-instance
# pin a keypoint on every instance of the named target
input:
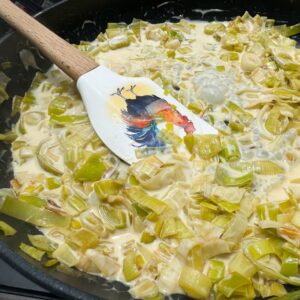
(142, 115)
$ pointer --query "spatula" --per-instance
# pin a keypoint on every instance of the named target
(134, 129)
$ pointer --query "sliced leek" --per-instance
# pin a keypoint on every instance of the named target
(209, 216)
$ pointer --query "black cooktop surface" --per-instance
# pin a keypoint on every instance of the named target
(14, 286)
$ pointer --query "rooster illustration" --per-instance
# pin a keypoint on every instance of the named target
(142, 114)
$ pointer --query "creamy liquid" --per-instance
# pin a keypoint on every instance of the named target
(131, 61)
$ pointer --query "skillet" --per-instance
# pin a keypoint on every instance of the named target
(77, 20)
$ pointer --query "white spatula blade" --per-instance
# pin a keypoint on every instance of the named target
(132, 126)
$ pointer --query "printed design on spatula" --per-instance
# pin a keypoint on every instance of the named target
(142, 115)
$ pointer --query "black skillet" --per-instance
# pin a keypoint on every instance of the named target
(77, 20)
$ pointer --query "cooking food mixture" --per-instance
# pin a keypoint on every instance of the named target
(219, 217)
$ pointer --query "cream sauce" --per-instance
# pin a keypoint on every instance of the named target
(140, 59)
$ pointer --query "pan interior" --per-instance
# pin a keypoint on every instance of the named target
(83, 20)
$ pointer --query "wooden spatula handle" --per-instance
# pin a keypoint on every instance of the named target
(65, 56)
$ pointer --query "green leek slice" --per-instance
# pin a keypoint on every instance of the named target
(231, 283)
(48, 159)
(41, 242)
(223, 178)
(32, 214)
(137, 195)
(59, 105)
(66, 255)
(194, 283)
(206, 145)
(216, 270)
(245, 117)
(230, 150)
(92, 169)
(68, 119)
(8, 137)
(7, 229)
(261, 167)
(130, 269)
(111, 217)
(31, 199)
(108, 187)
(32, 251)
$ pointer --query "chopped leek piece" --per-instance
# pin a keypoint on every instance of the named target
(205, 145)
(222, 220)
(168, 228)
(7, 229)
(195, 257)
(137, 195)
(106, 265)
(32, 251)
(230, 56)
(32, 214)
(230, 150)
(291, 249)
(66, 255)
(195, 107)
(231, 283)
(48, 159)
(146, 289)
(108, 187)
(216, 270)
(236, 126)
(268, 211)
(147, 238)
(68, 119)
(245, 117)
(8, 137)
(269, 288)
(31, 199)
(130, 269)
(28, 99)
(52, 183)
(240, 264)
(289, 30)
(16, 105)
(111, 217)
(277, 123)
(50, 263)
(260, 248)
(59, 105)
(3, 94)
(41, 242)
(223, 178)
(289, 265)
(136, 28)
(220, 68)
(90, 170)
(84, 238)
(296, 219)
(182, 232)
(189, 141)
(213, 27)
(269, 271)
(262, 167)
(75, 204)
(119, 41)
(194, 283)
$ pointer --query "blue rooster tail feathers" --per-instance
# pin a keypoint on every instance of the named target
(146, 136)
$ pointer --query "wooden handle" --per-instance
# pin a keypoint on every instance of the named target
(65, 56)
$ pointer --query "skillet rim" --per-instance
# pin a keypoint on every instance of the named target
(19, 263)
